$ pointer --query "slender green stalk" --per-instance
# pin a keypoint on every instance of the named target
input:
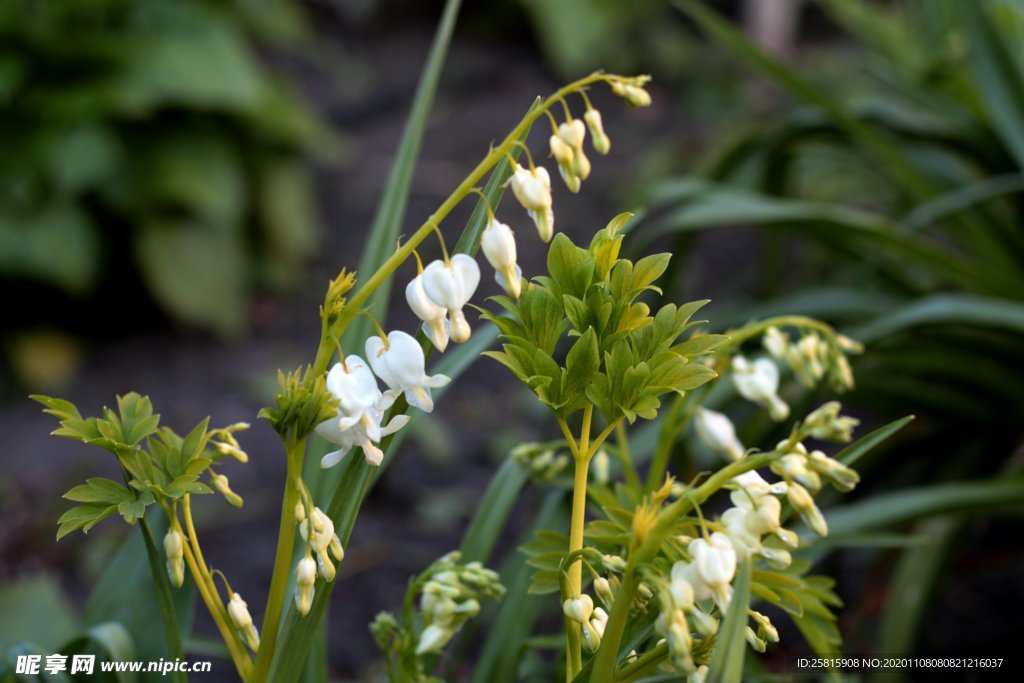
(625, 457)
(162, 585)
(220, 617)
(663, 450)
(282, 562)
(643, 664)
(579, 509)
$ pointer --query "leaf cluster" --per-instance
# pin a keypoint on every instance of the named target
(303, 402)
(157, 464)
(620, 357)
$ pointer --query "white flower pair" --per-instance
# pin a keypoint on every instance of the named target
(438, 294)
(400, 362)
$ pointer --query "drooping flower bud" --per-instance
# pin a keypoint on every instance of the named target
(803, 503)
(222, 486)
(602, 144)
(401, 364)
(174, 548)
(579, 609)
(635, 95)
(238, 610)
(499, 246)
(532, 187)
(305, 579)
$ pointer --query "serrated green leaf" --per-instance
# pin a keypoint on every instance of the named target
(99, 490)
(83, 517)
(135, 507)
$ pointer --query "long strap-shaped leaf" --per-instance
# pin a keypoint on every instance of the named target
(726, 665)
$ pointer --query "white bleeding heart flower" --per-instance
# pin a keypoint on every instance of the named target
(451, 285)
(718, 433)
(400, 363)
(361, 407)
(435, 318)
(759, 382)
(499, 246)
(532, 187)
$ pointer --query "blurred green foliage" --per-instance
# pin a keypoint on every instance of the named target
(900, 184)
(152, 128)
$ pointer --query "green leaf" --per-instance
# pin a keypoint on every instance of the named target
(883, 510)
(726, 665)
(34, 609)
(997, 73)
(188, 54)
(58, 245)
(112, 643)
(99, 490)
(135, 507)
(83, 517)
(492, 513)
(581, 365)
(946, 309)
(852, 453)
(197, 273)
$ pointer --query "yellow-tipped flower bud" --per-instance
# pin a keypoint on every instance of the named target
(305, 578)
(222, 486)
(238, 610)
(602, 144)
(174, 547)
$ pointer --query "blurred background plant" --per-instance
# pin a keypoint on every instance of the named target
(147, 141)
(887, 199)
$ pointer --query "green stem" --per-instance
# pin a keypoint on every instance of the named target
(625, 457)
(643, 664)
(607, 653)
(663, 450)
(738, 337)
(282, 562)
(162, 585)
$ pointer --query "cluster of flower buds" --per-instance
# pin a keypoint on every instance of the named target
(317, 531)
(224, 442)
(592, 619)
(804, 473)
(758, 381)
(174, 548)
(567, 150)
(632, 90)
(757, 513)
(544, 463)
(718, 433)
(766, 631)
(451, 596)
(812, 357)
(238, 610)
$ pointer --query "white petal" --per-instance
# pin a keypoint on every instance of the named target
(469, 274)
(333, 458)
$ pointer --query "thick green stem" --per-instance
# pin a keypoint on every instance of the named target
(162, 585)
(282, 562)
